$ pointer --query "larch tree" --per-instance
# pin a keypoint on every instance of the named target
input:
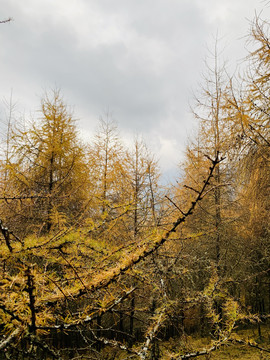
(48, 170)
(106, 156)
(209, 247)
(129, 282)
(106, 162)
(249, 110)
(214, 138)
(143, 189)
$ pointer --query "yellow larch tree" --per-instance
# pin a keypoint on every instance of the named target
(48, 169)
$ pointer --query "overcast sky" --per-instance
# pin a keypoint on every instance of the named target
(141, 59)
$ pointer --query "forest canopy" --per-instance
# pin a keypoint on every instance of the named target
(99, 260)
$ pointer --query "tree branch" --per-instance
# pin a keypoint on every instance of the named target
(201, 352)
(109, 276)
(249, 343)
(30, 288)
(7, 341)
(177, 207)
(89, 319)
(152, 333)
(6, 21)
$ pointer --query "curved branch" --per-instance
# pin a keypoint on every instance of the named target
(109, 276)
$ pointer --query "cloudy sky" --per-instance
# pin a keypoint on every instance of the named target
(139, 59)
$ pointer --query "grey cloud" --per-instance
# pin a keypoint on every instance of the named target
(138, 58)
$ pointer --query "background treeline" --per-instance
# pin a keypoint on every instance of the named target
(99, 261)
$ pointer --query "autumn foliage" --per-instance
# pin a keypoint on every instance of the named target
(99, 260)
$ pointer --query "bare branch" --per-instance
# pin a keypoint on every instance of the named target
(195, 354)
(89, 319)
(6, 21)
(177, 207)
(191, 188)
(116, 344)
(8, 340)
(249, 343)
(152, 333)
